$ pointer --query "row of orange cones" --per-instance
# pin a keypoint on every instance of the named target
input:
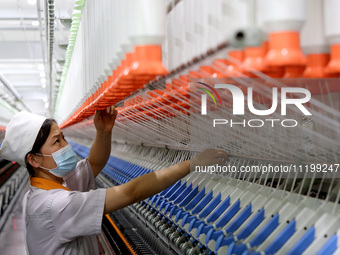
(139, 67)
(177, 98)
(280, 58)
(283, 58)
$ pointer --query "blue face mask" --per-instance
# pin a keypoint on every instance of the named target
(66, 160)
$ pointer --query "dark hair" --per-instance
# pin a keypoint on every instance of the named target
(39, 142)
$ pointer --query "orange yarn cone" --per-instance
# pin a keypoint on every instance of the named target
(210, 72)
(126, 76)
(284, 49)
(254, 59)
(233, 69)
(275, 71)
(293, 71)
(148, 62)
(334, 64)
(271, 71)
(316, 66)
(221, 65)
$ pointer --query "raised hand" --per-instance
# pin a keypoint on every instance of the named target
(104, 120)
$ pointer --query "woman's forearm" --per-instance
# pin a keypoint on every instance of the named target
(157, 181)
(144, 186)
(100, 152)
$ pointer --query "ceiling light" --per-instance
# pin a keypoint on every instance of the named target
(43, 80)
(43, 85)
(35, 23)
(42, 75)
(41, 67)
(46, 105)
(44, 99)
(32, 2)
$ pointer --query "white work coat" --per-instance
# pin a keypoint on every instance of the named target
(65, 222)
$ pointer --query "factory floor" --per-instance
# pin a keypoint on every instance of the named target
(12, 235)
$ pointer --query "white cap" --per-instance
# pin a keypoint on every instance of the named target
(21, 133)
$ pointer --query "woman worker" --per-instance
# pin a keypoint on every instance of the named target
(62, 211)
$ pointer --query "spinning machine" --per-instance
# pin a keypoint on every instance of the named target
(157, 61)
